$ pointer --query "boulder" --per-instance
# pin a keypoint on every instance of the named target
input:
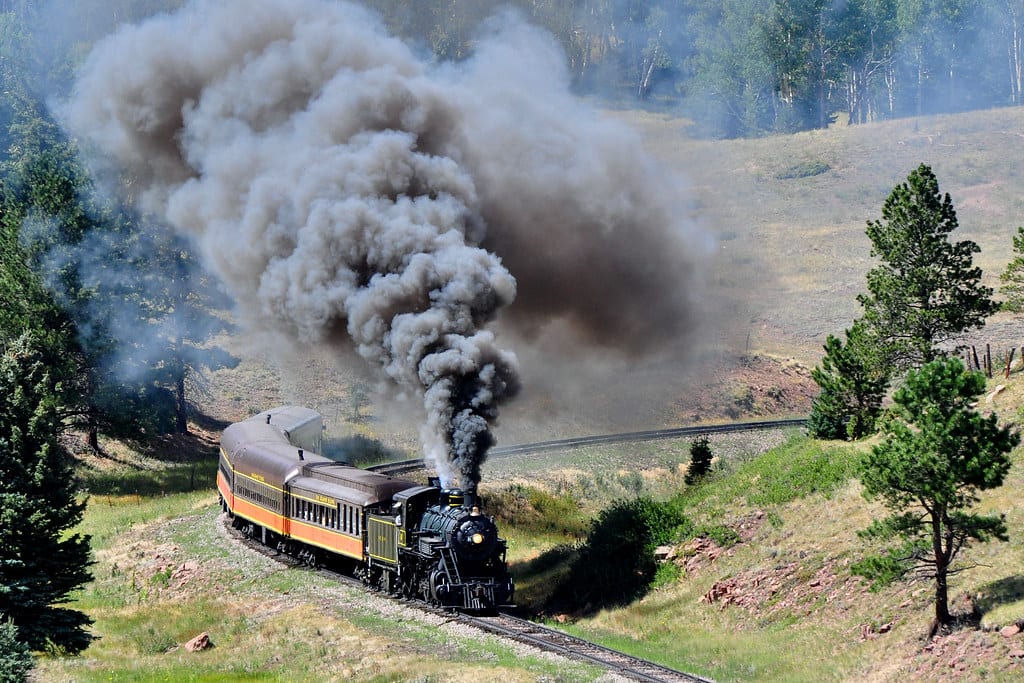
(200, 642)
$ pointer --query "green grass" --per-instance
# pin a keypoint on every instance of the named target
(798, 468)
(170, 479)
(268, 622)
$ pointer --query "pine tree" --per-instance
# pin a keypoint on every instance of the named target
(927, 291)
(15, 658)
(937, 455)
(41, 561)
(853, 383)
(1013, 277)
(700, 459)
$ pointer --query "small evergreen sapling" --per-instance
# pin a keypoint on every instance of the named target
(700, 459)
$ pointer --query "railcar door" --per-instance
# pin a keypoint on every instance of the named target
(382, 538)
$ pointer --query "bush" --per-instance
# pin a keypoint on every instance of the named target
(616, 563)
(15, 658)
(805, 169)
(534, 510)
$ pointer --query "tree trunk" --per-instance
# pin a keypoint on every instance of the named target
(942, 616)
(181, 406)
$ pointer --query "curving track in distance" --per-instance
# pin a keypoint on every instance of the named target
(404, 466)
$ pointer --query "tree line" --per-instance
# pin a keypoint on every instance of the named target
(752, 67)
(736, 68)
(103, 331)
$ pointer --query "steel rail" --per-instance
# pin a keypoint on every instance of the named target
(404, 466)
(559, 642)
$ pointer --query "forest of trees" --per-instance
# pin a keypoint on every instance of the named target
(753, 67)
(737, 68)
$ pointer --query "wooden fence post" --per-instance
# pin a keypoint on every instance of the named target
(988, 360)
(1009, 360)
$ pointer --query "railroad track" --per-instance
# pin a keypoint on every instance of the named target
(404, 466)
(553, 640)
(504, 625)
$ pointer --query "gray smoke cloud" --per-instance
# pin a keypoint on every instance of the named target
(348, 192)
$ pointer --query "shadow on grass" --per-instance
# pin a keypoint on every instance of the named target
(1006, 590)
(167, 463)
(538, 579)
(178, 478)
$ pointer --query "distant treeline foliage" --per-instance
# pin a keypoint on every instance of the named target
(735, 67)
(753, 67)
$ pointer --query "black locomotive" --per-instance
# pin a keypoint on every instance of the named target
(399, 536)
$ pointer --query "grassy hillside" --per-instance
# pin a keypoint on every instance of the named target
(790, 211)
(780, 605)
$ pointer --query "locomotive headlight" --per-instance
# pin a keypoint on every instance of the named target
(478, 538)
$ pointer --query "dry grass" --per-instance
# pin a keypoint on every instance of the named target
(794, 252)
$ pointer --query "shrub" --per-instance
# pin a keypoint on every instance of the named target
(804, 169)
(15, 658)
(616, 563)
(534, 510)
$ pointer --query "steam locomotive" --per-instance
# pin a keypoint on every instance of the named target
(399, 536)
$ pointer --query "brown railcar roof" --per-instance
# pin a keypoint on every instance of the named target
(261, 451)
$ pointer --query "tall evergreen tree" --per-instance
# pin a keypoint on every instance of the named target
(937, 455)
(927, 291)
(137, 319)
(41, 561)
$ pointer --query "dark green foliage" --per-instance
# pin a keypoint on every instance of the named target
(937, 455)
(804, 169)
(853, 382)
(41, 562)
(1013, 276)
(616, 563)
(927, 291)
(15, 658)
(700, 459)
(125, 296)
(894, 563)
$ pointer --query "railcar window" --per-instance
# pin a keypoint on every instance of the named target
(262, 494)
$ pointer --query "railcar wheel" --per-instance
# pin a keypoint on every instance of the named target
(438, 585)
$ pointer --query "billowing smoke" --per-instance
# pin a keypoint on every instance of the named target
(348, 192)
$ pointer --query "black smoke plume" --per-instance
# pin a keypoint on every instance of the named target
(348, 192)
